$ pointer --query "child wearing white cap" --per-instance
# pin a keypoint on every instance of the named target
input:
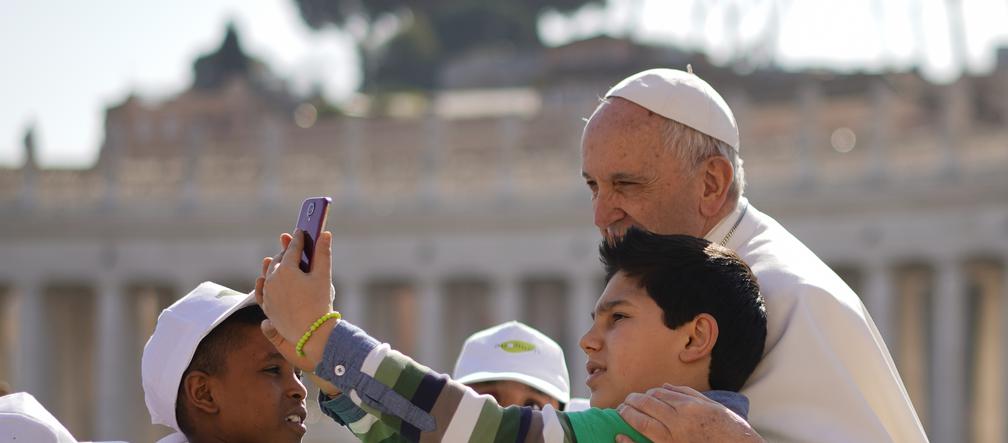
(24, 419)
(515, 364)
(210, 375)
(396, 397)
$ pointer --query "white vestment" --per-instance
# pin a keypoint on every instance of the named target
(826, 375)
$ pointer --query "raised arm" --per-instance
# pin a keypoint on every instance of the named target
(406, 397)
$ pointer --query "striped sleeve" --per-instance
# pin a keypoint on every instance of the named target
(365, 426)
(416, 404)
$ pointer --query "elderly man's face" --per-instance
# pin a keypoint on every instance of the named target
(634, 178)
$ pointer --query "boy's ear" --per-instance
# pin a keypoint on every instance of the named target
(198, 390)
(703, 333)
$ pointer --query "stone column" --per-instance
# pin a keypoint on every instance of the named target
(949, 353)
(30, 368)
(351, 298)
(507, 300)
(879, 297)
(429, 347)
(584, 291)
(986, 390)
(111, 365)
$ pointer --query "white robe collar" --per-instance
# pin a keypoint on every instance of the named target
(720, 232)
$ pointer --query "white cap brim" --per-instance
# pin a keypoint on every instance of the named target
(541, 385)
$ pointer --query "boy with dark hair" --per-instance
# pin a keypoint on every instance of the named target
(209, 374)
(390, 395)
(680, 292)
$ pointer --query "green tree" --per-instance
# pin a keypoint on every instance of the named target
(403, 42)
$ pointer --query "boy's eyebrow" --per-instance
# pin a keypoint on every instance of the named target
(275, 356)
(609, 305)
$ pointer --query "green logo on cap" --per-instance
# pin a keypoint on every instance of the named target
(227, 293)
(516, 346)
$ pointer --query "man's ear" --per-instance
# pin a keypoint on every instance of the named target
(703, 333)
(198, 388)
(717, 179)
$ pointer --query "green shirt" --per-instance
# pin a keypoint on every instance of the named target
(601, 426)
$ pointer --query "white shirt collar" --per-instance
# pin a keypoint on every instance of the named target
(176, 437)
(719, 233)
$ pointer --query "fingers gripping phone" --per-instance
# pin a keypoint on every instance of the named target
(311, 221)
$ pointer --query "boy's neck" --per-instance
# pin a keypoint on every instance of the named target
(206, 436)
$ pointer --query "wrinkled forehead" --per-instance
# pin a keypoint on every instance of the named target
(624, 127)
(623, 112)
(624, 135)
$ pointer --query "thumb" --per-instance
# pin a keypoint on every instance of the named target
(292, 254)
(285, 240)
(271, 333)
(260, 284)
(323, 254)
(623, 439)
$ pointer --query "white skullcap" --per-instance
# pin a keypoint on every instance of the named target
(683, 97)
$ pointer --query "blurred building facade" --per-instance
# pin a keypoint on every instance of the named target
(462, 208)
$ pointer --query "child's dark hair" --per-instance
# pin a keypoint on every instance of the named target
(211, 353)
(687, 276)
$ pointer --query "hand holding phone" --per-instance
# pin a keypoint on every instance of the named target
(311, 221)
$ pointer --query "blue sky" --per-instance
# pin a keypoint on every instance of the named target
(66, 61)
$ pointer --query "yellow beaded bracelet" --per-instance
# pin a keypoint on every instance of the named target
(314, 327)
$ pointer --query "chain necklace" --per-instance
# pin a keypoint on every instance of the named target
(724, 241)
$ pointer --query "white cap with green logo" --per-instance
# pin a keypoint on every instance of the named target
(514, 351)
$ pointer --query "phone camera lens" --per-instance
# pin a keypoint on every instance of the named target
(311, 208)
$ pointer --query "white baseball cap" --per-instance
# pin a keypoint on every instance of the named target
(24, 419)
(514, 351)
(179, 330)
(683, 97)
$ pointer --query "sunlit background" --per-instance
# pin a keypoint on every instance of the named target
(148, 146)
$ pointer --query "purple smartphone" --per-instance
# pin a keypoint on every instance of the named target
(311, 220)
